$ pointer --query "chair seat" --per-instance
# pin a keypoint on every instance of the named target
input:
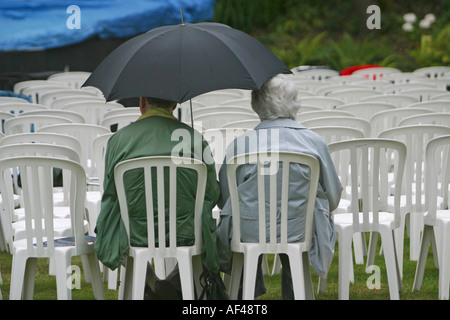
(385, 218)
(62, 228)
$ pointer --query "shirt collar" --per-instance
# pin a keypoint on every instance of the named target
(157, 111)
(280, 122)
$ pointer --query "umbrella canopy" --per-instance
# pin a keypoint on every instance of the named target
(179, 62)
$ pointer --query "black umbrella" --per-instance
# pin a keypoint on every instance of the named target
(179, 62)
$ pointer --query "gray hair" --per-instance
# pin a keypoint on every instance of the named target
(277, 98)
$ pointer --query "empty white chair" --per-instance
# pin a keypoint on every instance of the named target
(59, 102)
(216, 97)
(314, 73)
(376, 72)
(17, 108)
(399, 100)
(437, 217)
(337, 133)
(74, 79)
(24, 124)
(439, 118)
(118, 121)
(433, 72)
(435, 105)
(246, 124)
(222, 108)
(188, 257)
(74, 117)
(126, 110)
(303, 116)
(19, 86)
(327, 88)
(238, 102)
(352, 122)
(324, 102)
(442, 96)
(366, 110)
(271, 241)
(40, 241)
(3, 117)
(12, 100)
(217, 120)
(353, 95)
(47, 98)
(93, 111)
(35, 91)
(388, 119)
(424, 94)
(370, 190)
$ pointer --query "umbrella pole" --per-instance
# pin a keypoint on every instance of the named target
(192, 116)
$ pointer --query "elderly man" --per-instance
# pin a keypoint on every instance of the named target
(277, 105)
(153, 135)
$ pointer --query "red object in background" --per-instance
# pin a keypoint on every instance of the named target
(348, 71)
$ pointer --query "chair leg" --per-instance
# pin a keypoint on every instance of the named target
(186, 276)
(298, 276)
(96, 278)
(139, 273)
(30, 276)
(62, 262)
(19, 263)
(126, 278)
(249, 279)
(236, 274)
(444, 258)
(309, 290)
(345, 252)
(428, 233)
(322, 285)
(373, 241)
(391, 264)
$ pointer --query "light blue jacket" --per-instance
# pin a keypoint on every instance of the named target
(282, 135)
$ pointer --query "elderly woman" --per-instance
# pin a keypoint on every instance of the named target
(277, 104)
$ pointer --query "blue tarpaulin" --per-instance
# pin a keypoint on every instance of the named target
(46, 24)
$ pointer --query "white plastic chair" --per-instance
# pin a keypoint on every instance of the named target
(3, 117)
(399, 88)
(217, 120)
(324, 102)
(337, 133)
(413, 194)
(369, 189)
(245, 255)
(314, 73)
(16, 108)
(435, 105)
(399, 100)
(126, 110)
(59, 102)
(74, 117)
(327, 88)
(433, 72)
(353, 95)
(442, 96)
(74, 79)
(216, 97)
(19, 86)
(352, 122)
(437, 217)
(439, 118)
(303, 116)
(388, 119)
(93, 112)
(245, 124)
(46, 98)
(366, 110)
(221, 108)
(188, 257)
(376, 72)
(35, 91)
(40, 240)
(424, 94)
(24, 124)
(246, 102)
(118, 121)
(4, 100)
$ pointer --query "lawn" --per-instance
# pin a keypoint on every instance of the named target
(45, 285)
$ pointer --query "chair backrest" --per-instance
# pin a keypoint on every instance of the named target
(46, 98)
(423, 94)
(376, 72)
(19, 86)
(433, 72)
(352, 122)
(85, 133)
(126, 110)
(25, 124)
(367, 160)
(415, 138)
(35, 91)
(92, 111)
(246, 102)
(388, 119)
(222, 108)
(157, 245)
(435, 105)
(37, 183)
(247, 124)
(399, 100)
(6, 99)
(437, 176)
(338, 133)
(118, 121)
(74, 117)
(353, 95)
(442, 96)
(366, 110)
(217, 120)
(303, 116)
(43, 137)
(99, 145)
(216, 97)
(269, 170)
(439, 118)
(59, 102)
(314, 73)
(324, 102)
(3, 117)
(17, 108)
(74, 79)
(328, 87)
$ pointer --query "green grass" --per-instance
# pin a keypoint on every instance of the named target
(45, 285)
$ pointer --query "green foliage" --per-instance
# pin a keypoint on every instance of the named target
(434, 51)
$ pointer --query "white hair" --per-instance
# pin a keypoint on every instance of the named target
(277, 98)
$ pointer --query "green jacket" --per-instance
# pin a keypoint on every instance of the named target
(152, 136)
